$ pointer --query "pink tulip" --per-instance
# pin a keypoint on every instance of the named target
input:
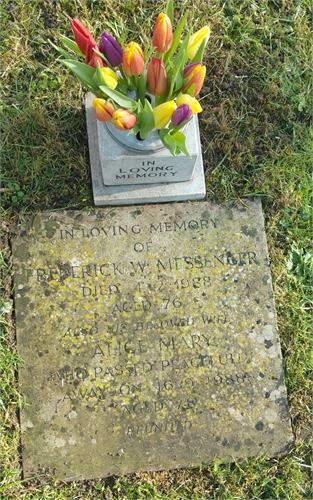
(156, 77)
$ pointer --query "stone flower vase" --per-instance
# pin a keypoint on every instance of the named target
(125, 162)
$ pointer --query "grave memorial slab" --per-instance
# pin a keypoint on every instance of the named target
(149, 339)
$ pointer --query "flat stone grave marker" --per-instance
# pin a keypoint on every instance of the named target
(149, 340)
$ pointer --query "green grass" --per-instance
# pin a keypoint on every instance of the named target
(256, 137)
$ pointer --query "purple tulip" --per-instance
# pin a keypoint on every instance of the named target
(111, 49)
(181, 114)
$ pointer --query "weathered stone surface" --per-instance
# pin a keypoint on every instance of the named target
(193, 189)
(149, 339)
(150, 162)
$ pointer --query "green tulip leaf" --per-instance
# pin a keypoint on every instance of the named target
(121, 87)
(142, 87)
(83, 72)
(169, 10)
(168, 141)
(61, 51)
(176, 39)
(182, 54)
(199, 54)
(70, 44)
(177, 69)
(180, 140)
(98, 76)
(145, 120)
(174, 140)
(191, 90)
(179, 82)
(120, 99)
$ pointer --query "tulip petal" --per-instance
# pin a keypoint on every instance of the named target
(111, 49)
(133, 59)
(156, 77)
(91, 57)
(196, 39)
(181, 114)
(195, 74)
(187, 99)
(123, 119)
(110, 77)
(163, 113)
(163, 33)
(82, 35)
(104, 110)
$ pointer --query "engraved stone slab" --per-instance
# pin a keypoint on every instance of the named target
(149, 339)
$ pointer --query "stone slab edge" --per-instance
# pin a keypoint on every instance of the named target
(288, 435)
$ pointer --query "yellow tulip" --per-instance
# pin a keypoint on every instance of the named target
(196, 39)
(192, 101)
(163, 113)
(110, 77)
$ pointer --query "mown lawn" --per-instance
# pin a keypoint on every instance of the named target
(256, 138)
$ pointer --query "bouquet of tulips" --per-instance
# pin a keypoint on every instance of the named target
(170, 69)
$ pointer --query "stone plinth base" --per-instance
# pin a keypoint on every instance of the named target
(193, 189)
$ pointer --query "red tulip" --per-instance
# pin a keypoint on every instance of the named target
(104, 109)
(163, 33)
(133, 59)
(124, 119)
(156, 77)
(82, 35)
(91, 57)
(196, 74)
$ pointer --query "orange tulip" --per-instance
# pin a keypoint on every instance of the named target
(82, 35)
(133, 59)
(124, 119)
(156, 77)
(104, 110)
(163, 33)
(196, 74)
